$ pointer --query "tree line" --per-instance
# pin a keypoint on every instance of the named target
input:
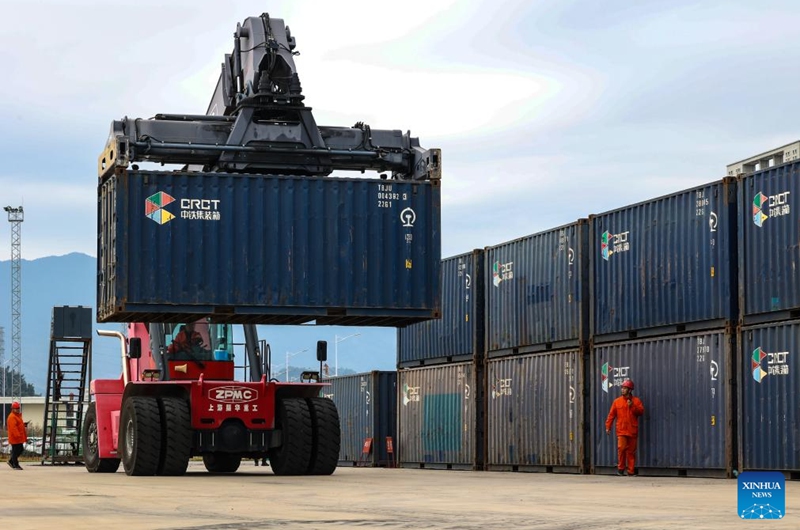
(6, 375)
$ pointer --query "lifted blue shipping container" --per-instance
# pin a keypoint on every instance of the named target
(666, 265)
(686, 385)
(267, 249)
(535, 412)
(367, 405)
(458, 335)
(537, 291)
(769, 228)
(769, 428)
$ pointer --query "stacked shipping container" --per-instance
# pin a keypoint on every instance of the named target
(535, 412)
(665, 265)
(536, 287)
(770, 254)
(661, 268)
(693, 295)
(769, 294)
(536, 320)
(367, 405)
(458, 335)
(770, 385)
(688, 425)
(441, 375)
(438, 417)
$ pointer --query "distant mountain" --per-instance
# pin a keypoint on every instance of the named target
(70, 280)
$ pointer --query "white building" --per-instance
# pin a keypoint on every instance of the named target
(774, 157)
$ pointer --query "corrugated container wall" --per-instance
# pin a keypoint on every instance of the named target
(267, 249)
(458, 335)
(367, 405)
(685, 383)
(669, 262)
(537, 291)
(535, 412)
(769, 435)
(437, 422)
(769, 286)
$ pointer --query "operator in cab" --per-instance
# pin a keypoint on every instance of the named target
(187, 340)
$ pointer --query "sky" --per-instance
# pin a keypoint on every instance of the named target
(545, 111)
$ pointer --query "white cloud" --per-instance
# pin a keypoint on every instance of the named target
(445, 104)
(545, 111)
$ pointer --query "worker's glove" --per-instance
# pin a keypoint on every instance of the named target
(630, 403)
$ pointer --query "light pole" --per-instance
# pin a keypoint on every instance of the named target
(287, 361)
(4, 366)
(336, 341)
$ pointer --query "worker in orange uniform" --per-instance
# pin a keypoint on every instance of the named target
(17, 435)
(626, 409)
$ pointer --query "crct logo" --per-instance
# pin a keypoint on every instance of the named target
(195, 209)
(410, 394)
(502, 272)
(233, 394)
(154, 207)
(777, 205)
(777, 363)
(614, 243)
(200, 209)
(501, 387)
(611, 376)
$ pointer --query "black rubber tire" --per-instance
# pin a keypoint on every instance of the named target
(91, 448)
(327, 436)
(140, 436)
(176, 436)
(294, 454)
(222, 462)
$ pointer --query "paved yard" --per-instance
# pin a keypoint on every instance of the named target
(253, 498)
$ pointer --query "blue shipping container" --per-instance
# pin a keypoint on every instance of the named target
(535, 412)
(769, 251)
(367, 405)
(769, 384)
(668, 262)
(458, 335)
(537, 291)
(684, 382)
(267, 249)
(437, 419)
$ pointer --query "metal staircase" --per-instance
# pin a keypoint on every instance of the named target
(66, 396)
